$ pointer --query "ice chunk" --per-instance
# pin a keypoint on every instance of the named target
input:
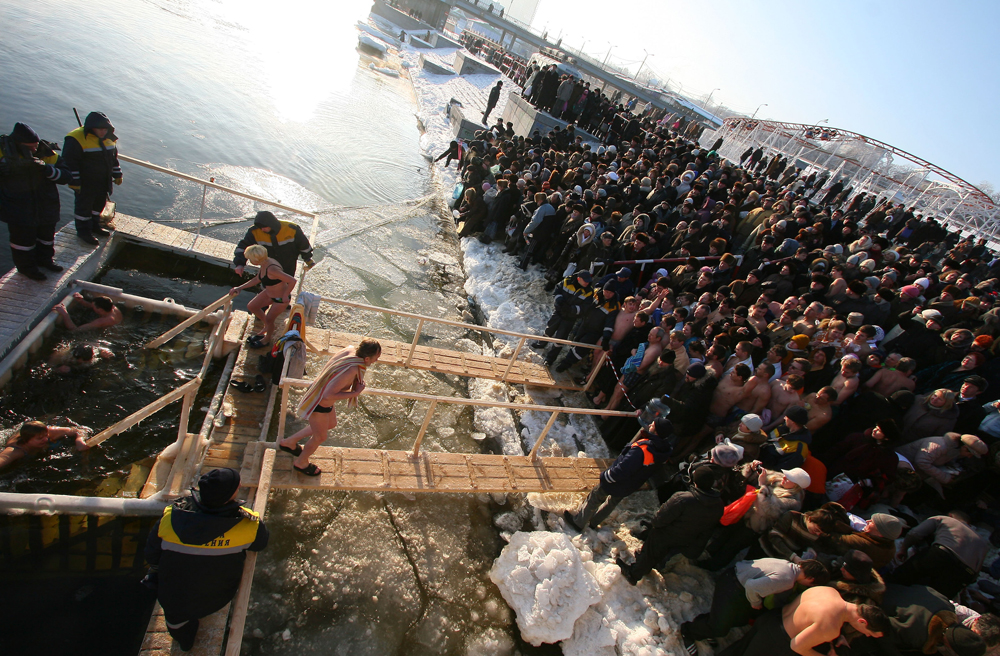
(542, 577)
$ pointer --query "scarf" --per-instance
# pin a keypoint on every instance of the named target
(330, 378)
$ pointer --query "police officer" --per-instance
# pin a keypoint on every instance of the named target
(197, 550)
(573, 297)
(92, 158)
(30, 169)
(283, 240)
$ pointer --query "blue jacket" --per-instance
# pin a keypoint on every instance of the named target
(635, 465)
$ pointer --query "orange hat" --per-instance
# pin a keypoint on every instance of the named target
(983, 341)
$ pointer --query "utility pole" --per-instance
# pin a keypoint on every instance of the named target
(758, 109)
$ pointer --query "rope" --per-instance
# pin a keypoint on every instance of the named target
(618, 376)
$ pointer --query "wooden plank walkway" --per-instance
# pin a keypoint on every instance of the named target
(397, 471)
(25, 301)
(440, 360)
(158, 235)
(211, 632)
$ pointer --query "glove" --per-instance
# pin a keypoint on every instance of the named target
(560, 301)
(310, 264)
(152, 579)
(118, 181)
(75, 187)
(606, 344)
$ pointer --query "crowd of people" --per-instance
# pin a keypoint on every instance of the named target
(827, 360)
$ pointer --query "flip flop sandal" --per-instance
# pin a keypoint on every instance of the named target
(259, 384)
(256, 342)
(241, 386)
(295, 452)
(309, 470)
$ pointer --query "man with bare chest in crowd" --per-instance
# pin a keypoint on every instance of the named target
(896, 374)
(757, 390)
(624, 320)
(846, 382)
(785, 392)
(728, 394)
(820, 408)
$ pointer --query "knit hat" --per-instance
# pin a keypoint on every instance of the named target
(872, 282)
(798, 476)
(913, 291)
(798, 414)
(859, 565)
(753, 422)
(964, 641)
(923, 282)
(664, 428)
(889, 526)
(931, 315)
(855, 319)
(856, 259)
(23, 134)
(725, 455)
(696, 370)
(868, 264)
(739, 448)
(217, 487)
(983, 341)
(799, 343)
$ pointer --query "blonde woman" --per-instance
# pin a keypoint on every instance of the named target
(343, 377)
(277, 288)
(931, 414)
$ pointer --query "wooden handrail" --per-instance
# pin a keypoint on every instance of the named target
(298, 382)
(458, 324)
(213, 185)
(142, 413)
(193, 319)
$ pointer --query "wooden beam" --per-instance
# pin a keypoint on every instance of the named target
(193, 319)
(139, 415)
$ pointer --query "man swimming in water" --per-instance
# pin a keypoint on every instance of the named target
(81, 356)
(107, 314)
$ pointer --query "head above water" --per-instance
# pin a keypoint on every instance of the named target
(28, 431)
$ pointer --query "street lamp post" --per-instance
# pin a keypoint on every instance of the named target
(636, 78)
(758, 109)
(825, 120)
(604, 64)
(710, 96)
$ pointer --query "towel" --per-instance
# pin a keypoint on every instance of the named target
(331, 378)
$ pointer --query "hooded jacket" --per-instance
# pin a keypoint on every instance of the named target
(285, 243)
(687, 520)
(28, 193)
(92, 162)
(199, 553)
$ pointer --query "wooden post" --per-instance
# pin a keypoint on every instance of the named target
(285, 389)
(545, 431)
(423, 428)
(602, 355)
(193, 319)
(510, 364)
(413, 346)
(242, 600)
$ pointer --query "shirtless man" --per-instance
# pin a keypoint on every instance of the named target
(653, 349)
(886, 380)
(808, 323)
(107, 314)
(34, 438)
(859, 343)
(820, 408)
(741, 355)
(624, 322)
(757, 391)
(81, 356)
(785, 392)
(813, 618)
(728, 394)
(846, 382)
(757, 318)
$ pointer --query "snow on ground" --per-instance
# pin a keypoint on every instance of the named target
(606, 614)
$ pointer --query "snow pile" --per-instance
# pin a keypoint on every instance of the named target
(542, 577)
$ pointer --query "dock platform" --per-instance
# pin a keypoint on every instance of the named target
(398, 471)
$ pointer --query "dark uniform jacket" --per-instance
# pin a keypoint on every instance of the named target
(28, 193)
(285, 243)
(199, 553)
(634, 465)
(92, 162)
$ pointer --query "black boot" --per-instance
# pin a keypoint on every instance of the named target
(24, 261)
(50, 266)
(96, 228)
(83, 232)
(551, 356)
(184, 634)
(34, 274)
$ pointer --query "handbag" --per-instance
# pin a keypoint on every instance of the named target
(734, 512)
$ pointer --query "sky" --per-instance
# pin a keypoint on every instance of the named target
(921, 76)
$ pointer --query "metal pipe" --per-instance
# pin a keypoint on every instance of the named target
(201, 214)
(49, 504)
(130, 301)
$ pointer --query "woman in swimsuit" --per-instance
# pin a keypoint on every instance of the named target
(34, 437)
(277, 291)
(343, 377)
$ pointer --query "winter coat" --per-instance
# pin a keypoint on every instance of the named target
(199, 553)
(854, 592)
(929, 454)
(634, 465)
(285, 243)
(859, 456)
(687, 520)
(788, 536)
(923, 420)
(689, 406)
(917, 342)
(28, 193)
(771, 503)
(92, 162)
